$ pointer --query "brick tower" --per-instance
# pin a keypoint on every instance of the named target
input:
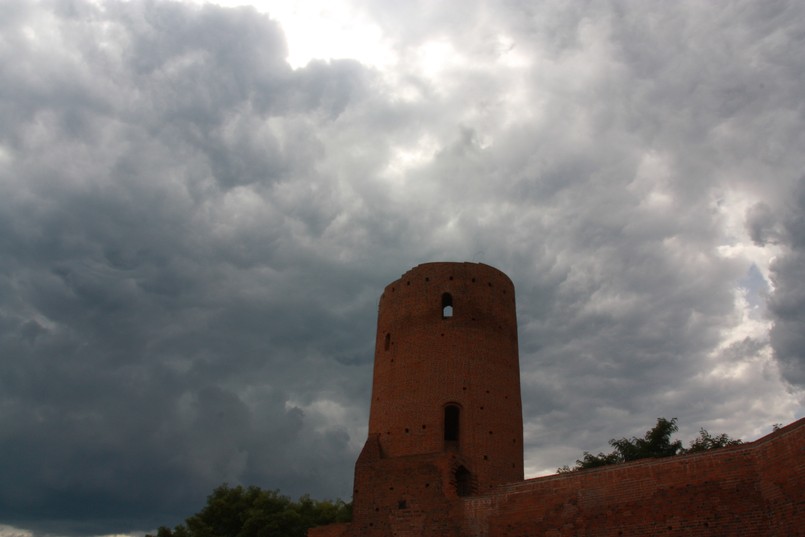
(444, 454)
(446, 417)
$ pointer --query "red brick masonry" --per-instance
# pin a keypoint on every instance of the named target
(413, 479)
(755, 489)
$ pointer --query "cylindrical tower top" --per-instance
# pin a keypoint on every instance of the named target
(446, 372)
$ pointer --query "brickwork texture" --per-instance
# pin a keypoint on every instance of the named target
(444, 454)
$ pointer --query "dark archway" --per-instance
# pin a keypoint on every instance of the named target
(463, 479)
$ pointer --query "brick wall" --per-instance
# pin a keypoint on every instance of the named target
(330, 530)
(780, 462)
(411, 481)
(751, 490)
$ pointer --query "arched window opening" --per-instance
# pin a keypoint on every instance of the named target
(387, 343)
(447, 306)
(463, 481)
(451, 415)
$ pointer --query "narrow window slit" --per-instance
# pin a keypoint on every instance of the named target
(451, 420)
(447, 305)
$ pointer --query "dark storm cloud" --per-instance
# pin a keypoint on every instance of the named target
(194, 236)
(152, 306)
(787, 304)
(784, 227)
(607, 194)
(647, 304)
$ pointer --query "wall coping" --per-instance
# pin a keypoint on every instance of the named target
(528, 484)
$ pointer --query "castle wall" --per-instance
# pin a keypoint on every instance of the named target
(780, 462)
(753, 490)
(410, 496)
(330, 530)
(427, 472)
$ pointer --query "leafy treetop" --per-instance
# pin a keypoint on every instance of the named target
(253, 512)
(655, 443)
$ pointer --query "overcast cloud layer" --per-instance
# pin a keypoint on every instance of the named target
(194, 235)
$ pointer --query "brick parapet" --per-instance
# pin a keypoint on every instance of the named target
(754, 489)
(330, 530)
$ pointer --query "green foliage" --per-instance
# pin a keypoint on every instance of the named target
(655, 443)
(706, 441)
(253, 512)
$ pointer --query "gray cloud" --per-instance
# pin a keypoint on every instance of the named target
(131, 382)
(787, 303)
(194, 236)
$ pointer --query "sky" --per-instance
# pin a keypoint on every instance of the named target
(200, 205)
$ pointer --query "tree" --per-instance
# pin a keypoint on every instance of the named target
(706, 441)
(253, 512)
(655, 443)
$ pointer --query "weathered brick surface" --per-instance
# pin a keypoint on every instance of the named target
(407, 496)
(424, 362)
(780, 462)
(750, 490)
(331, 530)
(406, 477)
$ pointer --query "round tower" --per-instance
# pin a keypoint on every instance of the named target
(446, 372)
